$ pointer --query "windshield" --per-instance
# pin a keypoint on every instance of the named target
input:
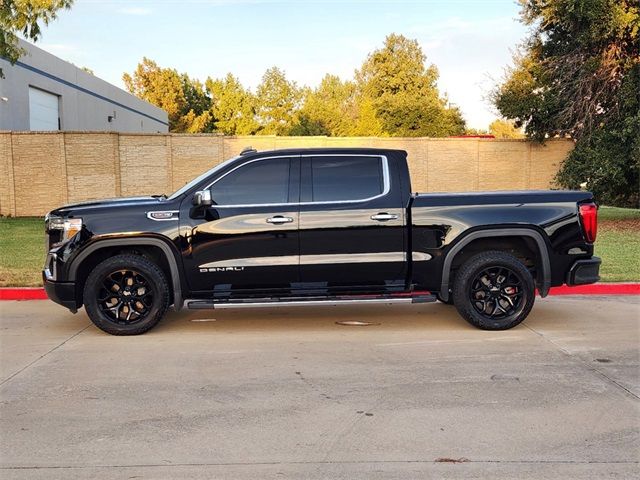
(200, 178)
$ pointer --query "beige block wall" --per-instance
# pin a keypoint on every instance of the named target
(145, 164)
(92, 166)
(7, 200)
(494, 172)
(192, 155)
(41, 171)
(545, 162)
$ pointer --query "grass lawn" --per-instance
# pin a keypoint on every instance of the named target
(618, 243)
(21, 251)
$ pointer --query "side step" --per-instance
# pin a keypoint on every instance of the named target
(418, 297)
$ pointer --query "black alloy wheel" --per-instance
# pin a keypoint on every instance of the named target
(494, 291)
(126, 295)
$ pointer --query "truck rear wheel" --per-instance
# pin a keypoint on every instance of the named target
(126, 295)
(493, 291)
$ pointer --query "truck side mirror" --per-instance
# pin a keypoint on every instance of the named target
(203, 198)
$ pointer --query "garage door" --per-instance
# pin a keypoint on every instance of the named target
(43, 110)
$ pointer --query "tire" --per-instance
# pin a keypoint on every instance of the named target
(493, 291)
(126, 295)
(446, 302)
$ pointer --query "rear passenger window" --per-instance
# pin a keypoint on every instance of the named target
(346, 178)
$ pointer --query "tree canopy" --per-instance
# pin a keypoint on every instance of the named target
(277, 103)
(505, 129)
(25, 17)
(394, 93)
(578, 75)
(403, 93)
(185, 100)
(232, 106)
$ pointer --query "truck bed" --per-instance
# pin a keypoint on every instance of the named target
(498, 197)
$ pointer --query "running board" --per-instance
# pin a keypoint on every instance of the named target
(311, 302)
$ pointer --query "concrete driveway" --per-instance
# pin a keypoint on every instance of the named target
(287, 393)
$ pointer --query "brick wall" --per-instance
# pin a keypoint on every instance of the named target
(41, 171)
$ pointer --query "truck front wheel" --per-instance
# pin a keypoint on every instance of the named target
(493, 291)
(126, 295)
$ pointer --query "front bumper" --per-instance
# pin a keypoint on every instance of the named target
(584, 271)
(63, 293)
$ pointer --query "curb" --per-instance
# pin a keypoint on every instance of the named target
(36, 293)
(598, 289)
(23, 293)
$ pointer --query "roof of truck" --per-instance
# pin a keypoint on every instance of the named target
(312, 150)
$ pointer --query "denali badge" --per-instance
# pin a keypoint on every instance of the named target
(163, 215)
(221, 269)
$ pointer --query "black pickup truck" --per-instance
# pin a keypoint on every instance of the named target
(316, 226)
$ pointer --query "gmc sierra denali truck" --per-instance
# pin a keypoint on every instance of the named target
(316, 226)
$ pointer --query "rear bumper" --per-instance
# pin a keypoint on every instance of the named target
(584, 271)
(63, 293)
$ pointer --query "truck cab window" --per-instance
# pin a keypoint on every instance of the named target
(342, 178)
(255, 183)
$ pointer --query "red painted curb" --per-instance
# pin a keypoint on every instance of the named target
(598, 289)
(34, 293)
(25, 293)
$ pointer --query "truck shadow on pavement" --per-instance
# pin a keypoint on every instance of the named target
(434, 316)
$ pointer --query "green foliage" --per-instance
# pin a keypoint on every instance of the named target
(608, 162)
(504, 129)
(232, 106)
(25, 16)
(403, 91)
(579, 76)
(277, 103)
(184, 100)
(393, 94)
(329, 109)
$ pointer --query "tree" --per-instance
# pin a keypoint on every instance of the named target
(329, 109)
(578, 76)
(184, 100)
(277, 103)
(475, 131)
(25, 16)
(403, 91)
(504, 129)
(232, 106)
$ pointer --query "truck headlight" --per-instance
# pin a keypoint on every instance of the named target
(69, 226)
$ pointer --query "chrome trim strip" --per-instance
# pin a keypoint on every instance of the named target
(311, 303)
(172, 212)
(320, 259)
(385, 179)
(254, 262)
(420, 256)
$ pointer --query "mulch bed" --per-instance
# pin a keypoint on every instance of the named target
(630, 224)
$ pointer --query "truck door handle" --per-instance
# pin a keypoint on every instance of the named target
(384, 216)
(278, 219)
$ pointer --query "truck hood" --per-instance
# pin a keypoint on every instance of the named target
(108, 203)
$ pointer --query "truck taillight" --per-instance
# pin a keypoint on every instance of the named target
(589, 219)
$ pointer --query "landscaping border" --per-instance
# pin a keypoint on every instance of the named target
(36, 293)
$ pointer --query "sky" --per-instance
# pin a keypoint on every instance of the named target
(471, 42)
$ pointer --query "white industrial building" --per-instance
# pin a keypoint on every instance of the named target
(42, 92)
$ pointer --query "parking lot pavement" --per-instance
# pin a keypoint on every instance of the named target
(287, 393)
